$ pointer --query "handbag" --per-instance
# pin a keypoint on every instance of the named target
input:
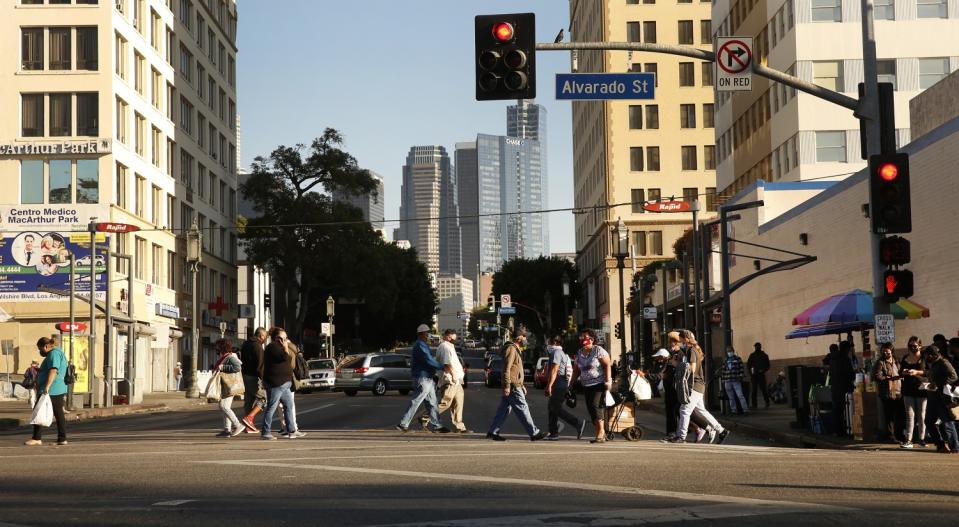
(231, 384)
(570, 399)
(42, 412)
(641, 388)
(213, 388)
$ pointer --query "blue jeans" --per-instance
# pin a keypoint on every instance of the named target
(516, 400)
(734, 391)
(276, 395)
(944, 433)
(424, 390)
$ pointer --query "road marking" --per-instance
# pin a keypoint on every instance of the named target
(171, 503)
(317, 409)
(565, 485)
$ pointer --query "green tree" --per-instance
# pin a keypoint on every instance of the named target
(528, 281)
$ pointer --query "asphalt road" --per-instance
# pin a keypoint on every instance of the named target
(352, 469)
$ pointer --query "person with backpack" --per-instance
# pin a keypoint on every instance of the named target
(559, 371)
(29, 382)
(50, 377)
(228, 363)
(691, 387)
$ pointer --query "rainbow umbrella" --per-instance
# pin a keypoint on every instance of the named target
(854, 306)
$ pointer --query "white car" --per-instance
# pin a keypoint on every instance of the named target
(322, 375)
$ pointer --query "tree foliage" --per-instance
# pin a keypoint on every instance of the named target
(527, 281)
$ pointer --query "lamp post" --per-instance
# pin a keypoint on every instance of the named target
(330, 311)
(566, 297)
(194, 239)
(621, 252)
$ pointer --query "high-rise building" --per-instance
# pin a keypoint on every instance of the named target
(455, 295)
(776, 133)
(127, 114)
(421, 199)
(467, 173)
(628, 152)
(370, 204)
(451, 247)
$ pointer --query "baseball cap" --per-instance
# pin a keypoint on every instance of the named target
(422, 328)
(661, 353)
(521, 332)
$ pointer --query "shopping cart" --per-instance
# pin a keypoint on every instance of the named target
(621, 417)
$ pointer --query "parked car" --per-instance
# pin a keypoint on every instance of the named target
(322, 375)
(539, 376)
(494, 372)
(374, 372)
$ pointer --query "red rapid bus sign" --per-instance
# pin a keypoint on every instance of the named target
(77, 327)
(667, 206)
(116, 227)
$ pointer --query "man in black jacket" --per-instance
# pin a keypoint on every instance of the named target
(842, 381)
(254, 397)
(278, 379)
(758, 365)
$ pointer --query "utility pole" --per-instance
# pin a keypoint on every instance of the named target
(194, 251)
(92, 229)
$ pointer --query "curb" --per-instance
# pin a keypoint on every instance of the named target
(11, 423)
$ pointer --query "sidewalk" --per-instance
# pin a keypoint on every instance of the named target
(14, 414)
(774, 425)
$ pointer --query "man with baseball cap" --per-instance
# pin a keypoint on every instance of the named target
(423, 369)
(514, 392)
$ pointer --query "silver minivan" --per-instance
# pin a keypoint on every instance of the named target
(374, 372)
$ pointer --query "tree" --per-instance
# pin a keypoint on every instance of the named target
(528, 281)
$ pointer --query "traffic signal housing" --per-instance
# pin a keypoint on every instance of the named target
(897, 284)
(619, 330)
(894, 251)
(890, 205)
(491, 303)
(505, 57)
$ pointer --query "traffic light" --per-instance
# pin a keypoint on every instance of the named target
(505, 57)
(491, 303)
(618, 329)
(890, 209)
(897, 284)
(894, 250)
(266, 301)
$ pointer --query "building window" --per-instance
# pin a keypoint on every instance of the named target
(156, 276)
(649, 32)
(141, 259)
(637, 196)
(831, 147)
(139, 65)
(88, 114)
(32, 48)
(87, 49)
(60, 178)
(690, 194)
(826, 10)
(685, 31)
(32, 118)
(828, 74)
(652, 158)
(635, 117)
(171, 264)
(709, 116)
(186, 169)
(689, 158)
(653, 194)
(709, 157)
(139, 135)
(31, 181)
(687, 77)
(156, 146)
(88, 181)
(932, 71)
(140, 195)
(156, 88)
(186, 116)
(652, 116)
(707, 73)
(687, 116)
(706, 32)
(121, 185)
(656, 243)
(884, 10)
(186, 64)
(60, 52)
(639, 242)
(711, 205)
(61, 112)
(170, 210)
(887, 71)
(931, 8)
(122, 120)
(636, 158)
(632, 32)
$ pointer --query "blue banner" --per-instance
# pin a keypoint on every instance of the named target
(605, 86)
(34, 259)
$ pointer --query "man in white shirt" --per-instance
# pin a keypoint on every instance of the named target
(451, 382)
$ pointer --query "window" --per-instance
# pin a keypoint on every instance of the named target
(201, 130)
(884, 10)
(656, 243)
(826, 10)
(31, 181)
(635, 117)
(652, 67)
(156, 88)
(686, 75)
(186, 14)
(652, 116)
(212, 91)
(121, 185)
(171, 264)
(932, 71)
(828, 74)
(186, 168)
(88, 181)
(649, 32)
(636, 158)
(156, 30)
(60, 179)
(653, 194)
(689, 158)
(141, 259)
(639, 242)
(687, 116)
(652, 159)
(186, 116)
(635, 68)
(200, 75)
(32, 118)
(170, 98)
(156, 276)
(140, 196)
(170, 156)
(60, 52)
(931, 8)
(87, 48)
(685, 31)
(221, 105)
(231, 69)
(707, 73)
(88, 114)
(232, 115)
(186, 216)
(887, 71)
(212, 188)
(637, 196)
(139, 133)
(139, 64)
(221, 53)
(123, 117)
(632, 32)
(690, 194)
(186, 64)
(223, 197)
(709, 157)
(705, 31)
(831, 147)
(156, 203)
(170, 209)
(61, 113)
(31, 42)
(711, 205)
(709, 116)
(156, 146)
(170, 46)
(201, 180)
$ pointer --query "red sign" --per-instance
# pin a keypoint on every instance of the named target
(219, 306)
(667, 206)
(77, 327)
(116, 227)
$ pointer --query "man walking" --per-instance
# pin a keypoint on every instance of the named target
(251, 355)
(514, 392)
(30, 381)
(732, 375)
(451, 381)
(758, 365)
(423, 367)
(559, 370)
(278, 379)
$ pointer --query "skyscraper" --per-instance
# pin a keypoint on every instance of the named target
(467, 173)
(370, 204)
(422, 203)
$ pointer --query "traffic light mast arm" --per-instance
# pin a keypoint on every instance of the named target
(685, 51)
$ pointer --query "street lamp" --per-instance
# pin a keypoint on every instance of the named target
(621, 252)
(566, 296)
(194, 240)
(330, 311)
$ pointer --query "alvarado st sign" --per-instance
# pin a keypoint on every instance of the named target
(667, 206)
(605, 86)
(92, 146)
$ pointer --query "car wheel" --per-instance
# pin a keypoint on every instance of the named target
(379, 387)
(351, 393)
(404, 392)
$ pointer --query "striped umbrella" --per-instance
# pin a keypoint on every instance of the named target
(854, 306)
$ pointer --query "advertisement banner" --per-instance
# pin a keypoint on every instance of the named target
(80, 357)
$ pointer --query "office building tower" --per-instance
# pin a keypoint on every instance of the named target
(370, 204)
(420, 202)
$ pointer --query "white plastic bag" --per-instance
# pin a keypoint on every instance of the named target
(641, 388)
(212, 391)
(610, 401)
(42, 412)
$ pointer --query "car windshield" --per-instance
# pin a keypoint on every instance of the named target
(352, 361)
(323, 364)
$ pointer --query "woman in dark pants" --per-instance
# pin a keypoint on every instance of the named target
(50, 382)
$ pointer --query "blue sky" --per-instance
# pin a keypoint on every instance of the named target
(389, 75)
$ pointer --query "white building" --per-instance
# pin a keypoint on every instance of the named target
(455, 294)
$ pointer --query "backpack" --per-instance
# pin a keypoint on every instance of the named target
(29, 380)
(301, 371)
(71, 375)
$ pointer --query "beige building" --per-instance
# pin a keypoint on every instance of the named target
(126, 113)
(629, 152)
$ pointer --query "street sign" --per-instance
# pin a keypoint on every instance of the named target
(77, 327)
(734, 60)
(246, 310)
(605, 86)
(505, 301)
(325, 329)
(649, 312)
(667, 206)
(83, 238)
(885, 329)
(463, 315)
(116, 227)
(507, 311)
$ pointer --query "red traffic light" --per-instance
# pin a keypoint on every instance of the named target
(503, 31)
(888, 171)
(892, 284)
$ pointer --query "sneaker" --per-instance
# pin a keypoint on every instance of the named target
(62, 443)
(237, 431)
(579, 431)
(700, 434)
(537, 436)
(907, 444)
(268, 437)
(676, 439)
(296, 435)
(284, 435)
(922, 444)
(495, 437)
(248, 422)
(33, 442)
(552, 437)
(402, 428)
(223, 433)
(440, 430)
(712, 436)
(722, 436)
(283, 432)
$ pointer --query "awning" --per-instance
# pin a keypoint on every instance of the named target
(854, 307)
(829, 328)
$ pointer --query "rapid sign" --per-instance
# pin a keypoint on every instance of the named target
(605, 86)
(667, 206)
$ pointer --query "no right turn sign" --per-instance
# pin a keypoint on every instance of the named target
(734, 58)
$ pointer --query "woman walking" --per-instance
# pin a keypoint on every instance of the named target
(228, 363)
(912, 367)
(593, 369)
(692, 360)
(50, 377)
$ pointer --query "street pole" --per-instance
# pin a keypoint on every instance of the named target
(108, 350)
(194, 255)
(642, 322)
(92, 365)
(132, 332)
(665, 317)
(330, 311)
(724, 218)
(73, 319)
(695, 243)
(685, 291)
